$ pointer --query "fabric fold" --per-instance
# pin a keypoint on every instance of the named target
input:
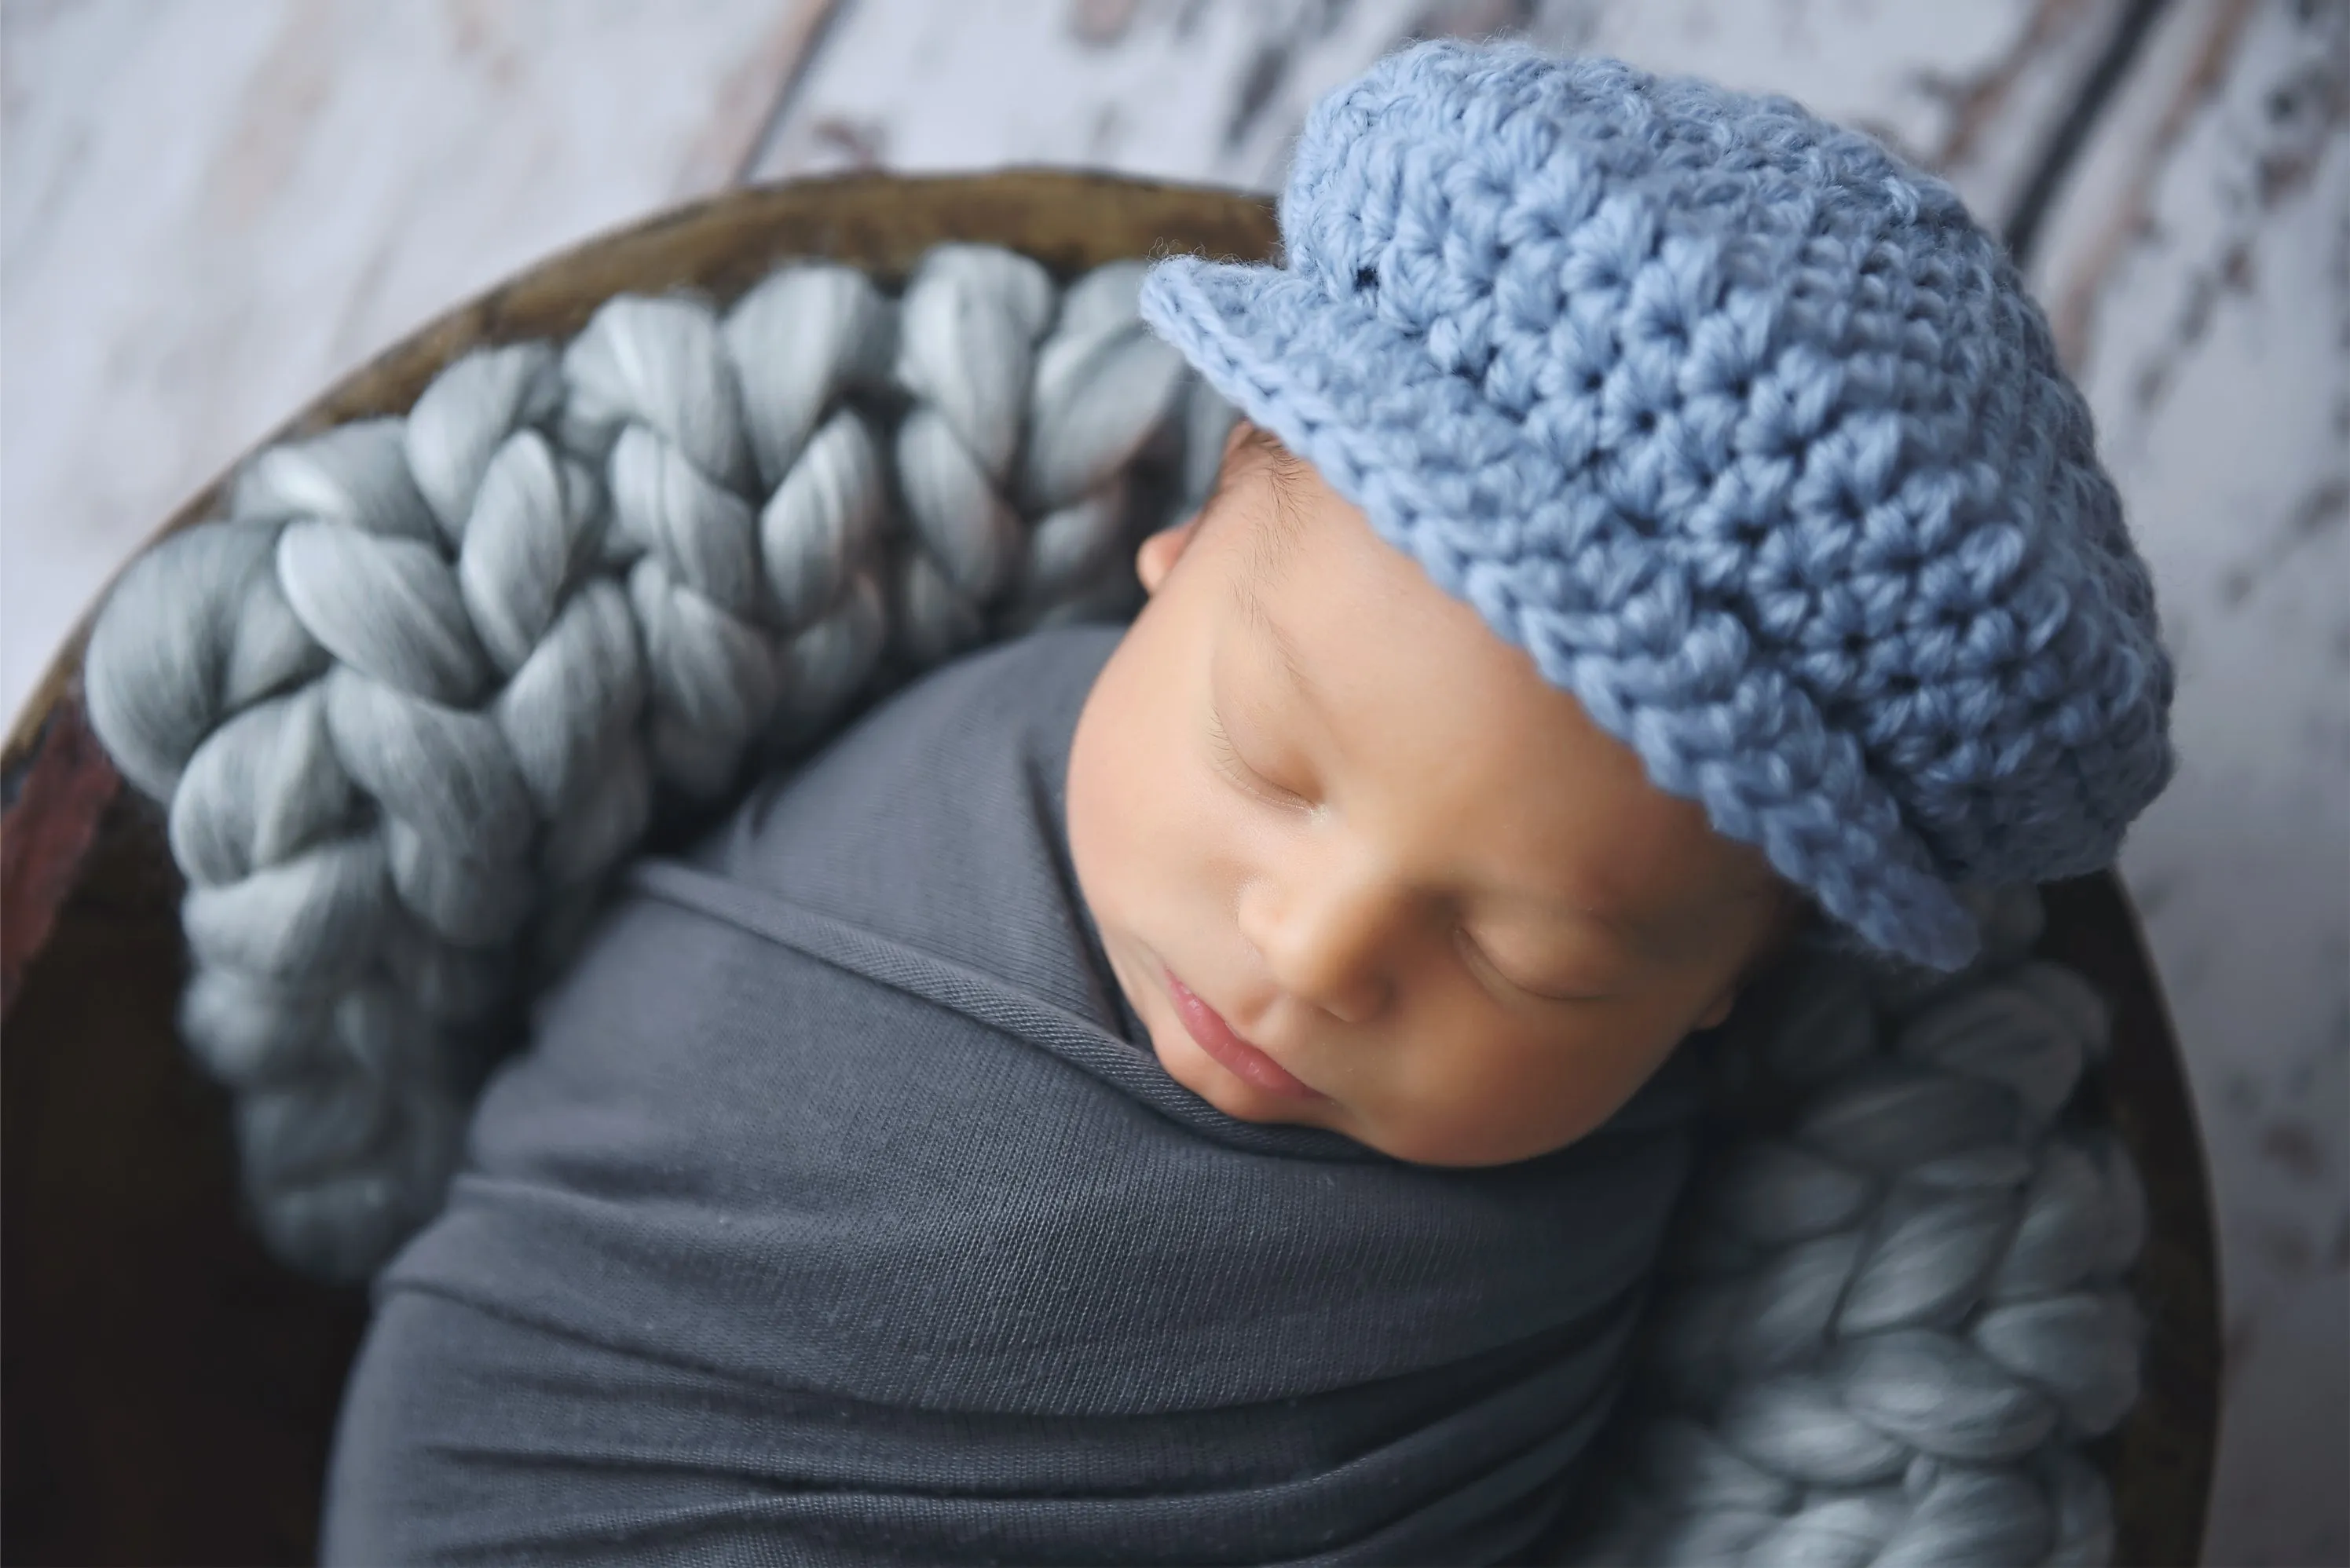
(836, 1213)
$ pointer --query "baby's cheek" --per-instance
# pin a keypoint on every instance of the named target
(1459, 1095)
(1122, 800)
(1518, 1092)
(1200, 832)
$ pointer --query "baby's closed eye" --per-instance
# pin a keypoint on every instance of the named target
(1245, 776)
(1518, 972)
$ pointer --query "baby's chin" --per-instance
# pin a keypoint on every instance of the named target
(1448, 1148)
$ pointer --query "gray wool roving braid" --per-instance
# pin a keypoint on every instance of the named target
(973, 357)
(356, 841)
(969, 328)
(1895, 1306)
(529, 530)
(1019, 413)
(406, 714)
(803, 343)
(658, 401)
(1104, 390)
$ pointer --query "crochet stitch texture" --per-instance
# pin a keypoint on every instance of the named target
(1746, 433)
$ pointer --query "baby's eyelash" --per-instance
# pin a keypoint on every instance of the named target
(1229, 762)
(1478, 958)
(1220, 740)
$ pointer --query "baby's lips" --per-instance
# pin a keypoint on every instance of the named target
(1236, 1055)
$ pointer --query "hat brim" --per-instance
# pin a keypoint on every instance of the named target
(1298, 363)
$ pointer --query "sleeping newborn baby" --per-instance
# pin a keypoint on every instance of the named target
(1208, 1091)
(903, 1179)
(1357, 865)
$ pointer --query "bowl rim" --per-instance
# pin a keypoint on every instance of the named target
(535, 301)
(59, 795)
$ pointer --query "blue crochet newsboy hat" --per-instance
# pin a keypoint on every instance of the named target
(1745, 433)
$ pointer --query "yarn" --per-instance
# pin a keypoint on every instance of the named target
(1895, 1301)
(430, 678)
(1745, 433)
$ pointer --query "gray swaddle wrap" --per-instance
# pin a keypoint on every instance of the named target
(835, 1215)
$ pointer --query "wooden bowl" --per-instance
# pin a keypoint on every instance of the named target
(171, 1390)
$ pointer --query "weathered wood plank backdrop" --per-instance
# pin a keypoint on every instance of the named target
(212, 208)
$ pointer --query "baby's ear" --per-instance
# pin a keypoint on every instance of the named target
(1158, 554)
(1792, 913)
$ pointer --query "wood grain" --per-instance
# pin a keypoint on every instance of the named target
(2199, 270)
(210, 209)
(2164, 1452)
(65, 792)
(1217, 89)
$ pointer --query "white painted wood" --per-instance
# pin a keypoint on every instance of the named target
(1972, 90)
(2199, 270)
(214, 208)
(1208, 90)
(1214, 90)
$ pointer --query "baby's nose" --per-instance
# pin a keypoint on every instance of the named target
(1326, 934)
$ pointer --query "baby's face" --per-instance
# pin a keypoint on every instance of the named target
(1357, 865)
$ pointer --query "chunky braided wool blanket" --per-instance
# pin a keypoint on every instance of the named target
(430, 678)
